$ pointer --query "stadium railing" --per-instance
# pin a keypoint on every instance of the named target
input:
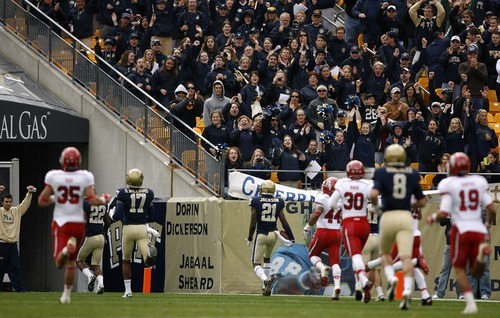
(142, 115)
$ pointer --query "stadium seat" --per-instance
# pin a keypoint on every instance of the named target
(414, 165)
(274, 177)
(428, 180)
(189, 159)
(496, 127)
(494, 107)
(423, 184)
(497, 118)
(491, 118)
(492, 96)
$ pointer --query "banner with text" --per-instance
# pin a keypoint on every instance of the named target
(193, 245)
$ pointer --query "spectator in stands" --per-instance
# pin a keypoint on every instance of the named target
(491, 165)
(474, 74)
(388, 20)
(337, 152)
(364, 140)
(326, 79)
(125, 65)
(247, 25)
(155, 45)
(259, 162)
(233, 161)
(219, 20)
(273, 131)
(278, 90)
(356, 62)
(195, 65)
(340, 122)
(165, 26)
(492, 53)
(165, 81)
(482, 136)
(193, 23)
(317, 121)
(389, 47)
(289, 113)
(216, 133)
(314, 155)
(431, 144)
(413, 98)
(308, 92)
(242, 73)
(442, 169)
(220, 73)
(316, 27)
(105, 13)
(282, 33)
(216, 102)
(376, 80)
(54, 11)
(461, 18)
(367, 11)
(231, 113)
(271, 21)
(339, 48)
(142, 80)
(301, 131)
(150, 59)
(267, 68)
(285, 59)
(289, 158)
(456, 137)
(433, 54)
(121, 32)
(210, 47)
(368, 109)
(404, 79)
(450, 60)
(225, 38)
(132, 44)
(346, 87)
(80, 19)
(251, 93)
(428, 23)
(382, 129)
(187, 109)
(108, 55)
(245, 138)
(397, 137)
(299, 71)
(396, 109)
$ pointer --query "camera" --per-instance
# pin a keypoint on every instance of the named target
(259, 160)
(280, 79)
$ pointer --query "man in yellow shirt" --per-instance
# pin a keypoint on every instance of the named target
(10, 226)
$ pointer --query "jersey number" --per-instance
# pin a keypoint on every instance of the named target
(354, 200)
(69, 194)
(137, 202)
(472, 198)
(97, 214)
(268, 212)
(332, 215)
(399, 186)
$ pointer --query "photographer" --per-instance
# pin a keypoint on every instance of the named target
(259, 162)
(278, 88)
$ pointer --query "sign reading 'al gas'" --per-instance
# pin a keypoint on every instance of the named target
(29, 123)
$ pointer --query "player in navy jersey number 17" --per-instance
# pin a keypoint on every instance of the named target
(396, 184)
(266, 210)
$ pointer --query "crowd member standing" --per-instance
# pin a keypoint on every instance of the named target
(327, 236)
(266, 209)
(93, 244)
(69, 186)
(135, 203)
(353, 193)
(10, 226)
(462, 196)
(396, 183)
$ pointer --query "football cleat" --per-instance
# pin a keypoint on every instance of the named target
(324, 276)
(485, 297)
(336, 294)
(100, 290)
(71, 245)
(469, 309)
(405, 303)
(268, 284)
(91, 284)
(435, 296)
(358, 295)
(427, 301)
(391, 288)
(127, 295)
(367, 289)
(381, 298)
(65, 299)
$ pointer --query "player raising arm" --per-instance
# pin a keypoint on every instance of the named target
(462, 196)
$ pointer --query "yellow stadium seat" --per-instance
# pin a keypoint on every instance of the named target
(496, 127)
(492, 96)
(428, 179)
(491, 118)
(414, 165)
(494, 107)
(497, 118)
(274, 177)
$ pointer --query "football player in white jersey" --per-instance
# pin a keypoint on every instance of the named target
(327, 236)
(67, 188)
(353, 193)
(462, 196)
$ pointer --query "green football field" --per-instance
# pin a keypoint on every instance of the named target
(203, 305)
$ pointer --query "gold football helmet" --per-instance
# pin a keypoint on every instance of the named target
(395, 155)
(134, 178)
(267, 188)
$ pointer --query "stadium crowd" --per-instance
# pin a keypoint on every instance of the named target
(276, 88)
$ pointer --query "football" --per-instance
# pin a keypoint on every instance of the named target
(283, 233)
